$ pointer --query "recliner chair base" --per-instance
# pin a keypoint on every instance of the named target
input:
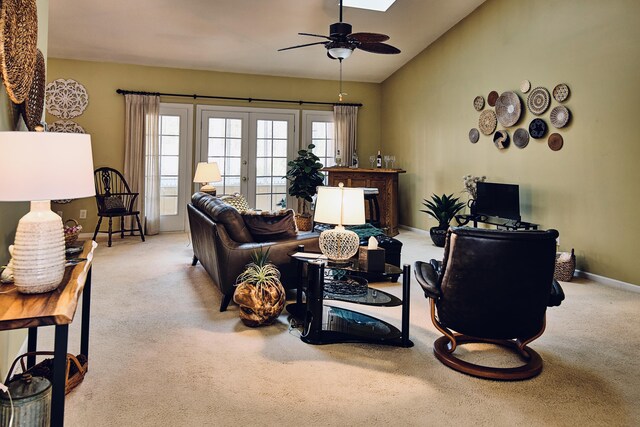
(532, 367)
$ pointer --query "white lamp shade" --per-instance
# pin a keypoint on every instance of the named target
(340, 206)
(207, 172)
(45, 166)
(340, 52)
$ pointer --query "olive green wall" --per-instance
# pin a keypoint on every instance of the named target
(104, 117)
(588, 190)
(10, 213)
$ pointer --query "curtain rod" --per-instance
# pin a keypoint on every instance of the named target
(230, 98)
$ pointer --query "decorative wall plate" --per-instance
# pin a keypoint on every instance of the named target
(492, 98)
(561, 92)
(537, 128)
(555, 141)
(559, 116)
(33, 106)
(520, 138)
(487, 122)
(478, 103)
(525, 85)
(66, 126)
(501, 139)
(18, 41)
(538, 100)
(508, 109)
(474, 135)
(66, 98)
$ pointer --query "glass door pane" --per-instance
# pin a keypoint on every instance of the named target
(225, 148)
(272, 140)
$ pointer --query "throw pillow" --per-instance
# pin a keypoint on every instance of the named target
(236, 200)
(114, 204)
(270, 226)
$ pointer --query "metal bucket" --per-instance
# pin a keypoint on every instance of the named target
(31, 402)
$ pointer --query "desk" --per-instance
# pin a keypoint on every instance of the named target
(56, 308)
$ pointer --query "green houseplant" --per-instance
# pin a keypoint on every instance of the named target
(444, 209)
(259, 293)
(304, 177)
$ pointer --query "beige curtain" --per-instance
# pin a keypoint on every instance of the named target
(345, 119)
(142, 157)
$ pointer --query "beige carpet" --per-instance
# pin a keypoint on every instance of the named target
(163, 355)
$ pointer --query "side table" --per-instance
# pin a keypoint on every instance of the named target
(55, 308)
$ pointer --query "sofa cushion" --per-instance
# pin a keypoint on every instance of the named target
(236, 200)
(223, 214)
(270, 226)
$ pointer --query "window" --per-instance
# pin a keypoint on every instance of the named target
(169, 164)
(319, 131)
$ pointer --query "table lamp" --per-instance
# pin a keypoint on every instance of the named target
(206, 173)
(39, 167)
(339, 206)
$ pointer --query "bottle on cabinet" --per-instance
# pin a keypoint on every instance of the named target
(378, 160)
(338, 158)
(355, 163)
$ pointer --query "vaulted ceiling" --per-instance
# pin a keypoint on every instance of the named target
(243, 36)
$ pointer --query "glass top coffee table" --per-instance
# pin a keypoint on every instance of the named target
(326, 324)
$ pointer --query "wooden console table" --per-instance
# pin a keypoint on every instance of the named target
(385, 180)
(58, 308)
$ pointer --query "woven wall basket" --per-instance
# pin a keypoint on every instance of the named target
(18, 40)
(33, 107)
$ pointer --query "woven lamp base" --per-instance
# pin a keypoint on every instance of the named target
(339, 244)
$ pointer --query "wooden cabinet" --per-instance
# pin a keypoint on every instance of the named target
(385, 180)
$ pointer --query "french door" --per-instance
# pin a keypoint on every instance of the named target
(252, 148)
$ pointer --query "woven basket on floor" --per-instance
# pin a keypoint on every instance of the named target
(565, 269)
(76, 368)
(71, 232)
(304, 223)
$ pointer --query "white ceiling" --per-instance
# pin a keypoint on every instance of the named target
(243, 36)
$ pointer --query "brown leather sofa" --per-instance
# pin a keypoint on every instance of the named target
(223, 245)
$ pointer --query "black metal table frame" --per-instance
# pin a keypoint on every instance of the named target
(464, 219)
(60, 353)
(313, 319)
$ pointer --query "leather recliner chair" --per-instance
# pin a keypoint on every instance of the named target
(493, 286)
(223, 245)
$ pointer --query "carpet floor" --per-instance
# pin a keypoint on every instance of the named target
(161, 354)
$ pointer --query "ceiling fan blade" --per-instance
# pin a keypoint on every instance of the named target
(314, 35)
(301, 45)
(368, 37)
(378, 48)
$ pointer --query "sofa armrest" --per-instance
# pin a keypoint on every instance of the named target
(557, 294)
(427, 277)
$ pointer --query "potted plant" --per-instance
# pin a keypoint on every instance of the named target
(259, 293)
(304, 176)
(443, 209)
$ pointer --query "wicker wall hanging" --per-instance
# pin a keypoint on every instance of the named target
(66, 126)
(33, 107)
(18, 41)
(66, 98)
(487, 122)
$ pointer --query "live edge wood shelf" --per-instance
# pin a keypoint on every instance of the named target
(56, 308)
(385, 180)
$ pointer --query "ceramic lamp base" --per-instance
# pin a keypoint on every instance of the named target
(209, 189)
(339, 244)
(38, 251)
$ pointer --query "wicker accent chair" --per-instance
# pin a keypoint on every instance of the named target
(115, 200)
(493, 286)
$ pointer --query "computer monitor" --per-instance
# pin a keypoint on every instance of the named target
(499, 200)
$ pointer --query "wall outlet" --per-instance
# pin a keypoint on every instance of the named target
(83, 214)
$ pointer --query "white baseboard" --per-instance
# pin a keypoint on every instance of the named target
(612, 283)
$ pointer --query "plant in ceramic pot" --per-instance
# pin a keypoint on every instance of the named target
(444, 209)
(471, 187)
(259, 293)
(304, 177)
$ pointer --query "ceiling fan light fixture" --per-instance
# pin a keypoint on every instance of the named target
(340, 52)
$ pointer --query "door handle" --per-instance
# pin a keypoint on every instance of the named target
(244, 162)
(244, 178)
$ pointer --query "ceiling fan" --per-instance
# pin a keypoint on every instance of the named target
(341, 42)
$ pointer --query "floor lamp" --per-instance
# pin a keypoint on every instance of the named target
(39, 167)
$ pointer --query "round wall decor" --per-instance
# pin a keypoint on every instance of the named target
(474, 135)
(492, 98)
(525, 86)
(559, 116)
(66, 126)
(33, 106)
(18, 41)
(501, 139)
(508, 109)
(520, 138)
(487, 122)
(537, 128)
(538, 100)
(555, 141)
(561, 92)
(66, 98)
(478, 103)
